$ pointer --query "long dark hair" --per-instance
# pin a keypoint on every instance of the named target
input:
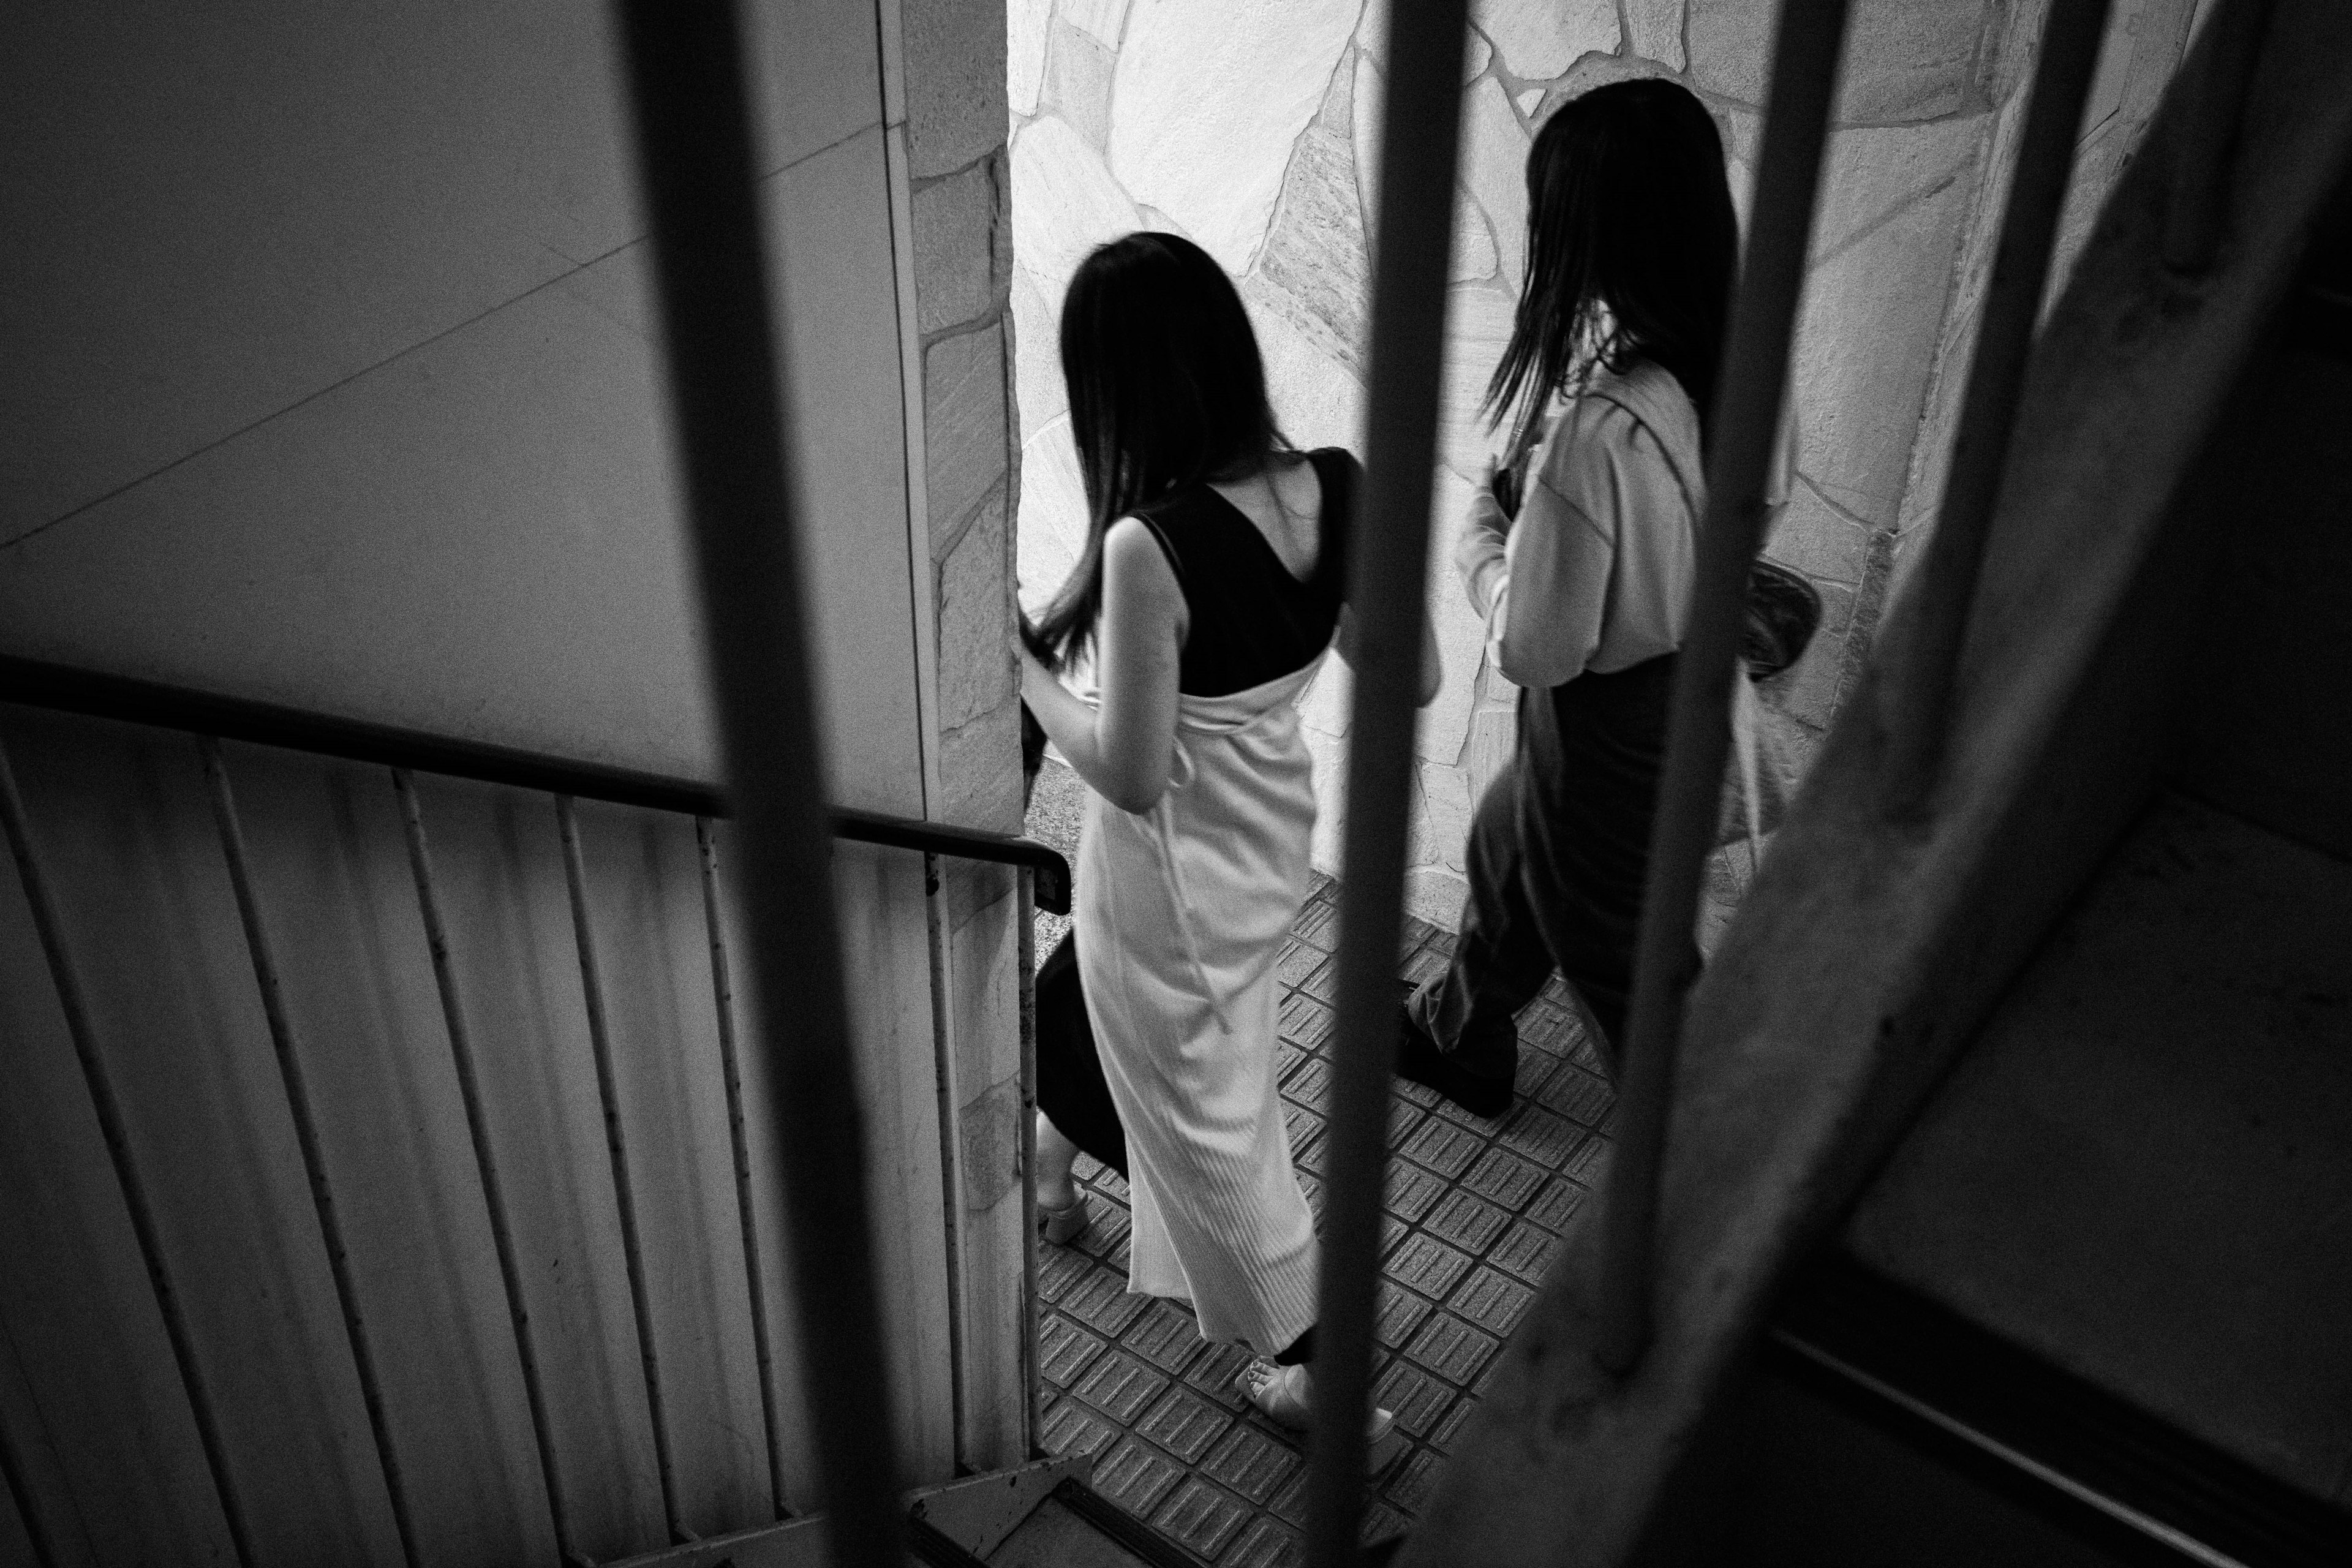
(1628, 213)
(1166, 389)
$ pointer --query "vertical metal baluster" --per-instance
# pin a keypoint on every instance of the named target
(1698, 737)
(477, 1129)
(685, 69)
(306, 1134)
(20, 1492)
(73, 1003)
(1024, 914)
(1921, 697)
(722, 987)
(2206, 151)
(608, 1090)
(1419, 136)
(939, 926)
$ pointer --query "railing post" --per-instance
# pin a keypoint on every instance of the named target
(1024, 942)
(1419, 136)
(722, 999)
(73, 1004)
(616, 1146)
(306, 1137)
(1920, 696)
(486, 1163)
(685, 69)
(1746, 417)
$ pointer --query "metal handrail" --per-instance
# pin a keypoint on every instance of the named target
(34, 683)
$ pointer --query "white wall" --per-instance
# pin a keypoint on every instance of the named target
(1253, 129)
(330, 379)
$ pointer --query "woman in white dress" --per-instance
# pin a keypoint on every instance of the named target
(1209, 588)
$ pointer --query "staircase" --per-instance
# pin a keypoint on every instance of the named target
(2008, 1212)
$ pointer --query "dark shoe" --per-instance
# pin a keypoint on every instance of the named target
(1419, 1060)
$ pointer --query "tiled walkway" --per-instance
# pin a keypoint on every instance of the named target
(1474, 1212)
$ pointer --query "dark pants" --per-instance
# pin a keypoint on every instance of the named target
(1557, 858)
(1071, 1090)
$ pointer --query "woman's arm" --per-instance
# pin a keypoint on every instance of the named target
(1125, 747)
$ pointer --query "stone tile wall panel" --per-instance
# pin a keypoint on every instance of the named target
(1539, 39)
(1254, 129)
(956, 79)
(963, 252)
(1212, 95)
(964, 425)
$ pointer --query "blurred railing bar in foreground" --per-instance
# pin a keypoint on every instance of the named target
(1418, 138)
(1921, 692)
(685, 73)
(1740, 436)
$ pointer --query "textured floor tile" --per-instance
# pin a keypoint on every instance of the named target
(1100, 1301)
(1527, 1251)
(1403, 1117)
(1318, 926)
(1427, 1264)
(1213, 1373)
(1200, 1517)
(1417, 1399)
(1306, 1152)
(1535, 1070)
(1072, 1428)
(1589, 1163)
(1065, 1350)
(1442, 1147)
(1380, 1522)
(1312, 1185)
(1297, 962)
(1560, 1203)
(1264, 1542)
(1107, 1227)
(1303, 1020)
(1503, 1179)
(1400, 1314)
(1419, 1094)
(1309, 1087)
(1540, 1137)
(1549, 1028)
(1184, 1424)
(1450, 1429)
(1410, 1486)
(1164, 1334)
(1085, 1167)
(1121, 1386)
(1136, 1476)
(1493, 1302)
(1579, 1095)
(1411, 1191)
(1290, 1504)
(1247, 1461)
(1058, 1269)
(1288, 1057)
(1452, 1349)
(1298, 1121)
(1111, 1184)
(1424, 965)
(1466, 1221)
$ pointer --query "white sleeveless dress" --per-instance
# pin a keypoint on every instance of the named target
(1192, 900)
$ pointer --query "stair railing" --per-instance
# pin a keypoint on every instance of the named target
(213, 719)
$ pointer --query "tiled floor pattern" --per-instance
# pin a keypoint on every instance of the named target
(1474, 1212)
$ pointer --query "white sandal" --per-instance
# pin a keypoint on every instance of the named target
(1284, 1396)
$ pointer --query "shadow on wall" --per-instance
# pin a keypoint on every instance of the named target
(1253, 129)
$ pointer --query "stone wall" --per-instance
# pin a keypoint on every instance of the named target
(1252, 128)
